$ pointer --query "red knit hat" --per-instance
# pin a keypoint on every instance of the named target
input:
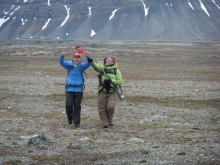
(76, 54)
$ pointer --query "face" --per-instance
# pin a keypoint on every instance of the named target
(109, 61)
(76, 60)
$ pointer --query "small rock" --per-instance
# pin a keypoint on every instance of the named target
(136, 140)
(84, 139)
(181, 153)
(37, 139)
(163, 114)
(18, 119)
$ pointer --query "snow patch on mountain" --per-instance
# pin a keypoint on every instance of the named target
(145, 9)
(215, 4)
(93, 33)
(15, 10)
(190, 5)
(90, 11)
(113, 13)
(3, 20)
(46, 24)
(48, 2)
(12, 7)
(204, 8)
(67, 17)
(23, 21)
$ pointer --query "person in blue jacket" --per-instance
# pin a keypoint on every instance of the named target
(74, 85)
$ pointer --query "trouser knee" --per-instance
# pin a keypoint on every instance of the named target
(110, 107)
(69, 103)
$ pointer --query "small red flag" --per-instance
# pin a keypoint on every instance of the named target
(79, 51)
(78, 47)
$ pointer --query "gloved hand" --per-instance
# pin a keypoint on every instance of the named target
(90, 60)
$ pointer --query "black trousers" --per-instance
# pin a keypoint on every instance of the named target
(73, 106)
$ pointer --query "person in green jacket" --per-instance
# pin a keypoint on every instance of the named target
(106, 94)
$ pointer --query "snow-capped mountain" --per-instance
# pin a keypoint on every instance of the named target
(184, 20)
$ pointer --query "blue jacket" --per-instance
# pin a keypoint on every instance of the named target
(74, 77)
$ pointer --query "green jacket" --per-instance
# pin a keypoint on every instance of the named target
(116, 78)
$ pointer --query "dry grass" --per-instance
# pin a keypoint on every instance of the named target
(175, 102)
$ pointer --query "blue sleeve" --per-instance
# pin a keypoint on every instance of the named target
(86, 64)
(63, 62)
(88, 57)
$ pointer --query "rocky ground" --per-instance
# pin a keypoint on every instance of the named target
(170, 114)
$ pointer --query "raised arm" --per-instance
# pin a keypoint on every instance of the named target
(62, 61)
(96, 67)
(86, 64)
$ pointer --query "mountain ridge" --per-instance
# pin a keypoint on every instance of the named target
(166, 20)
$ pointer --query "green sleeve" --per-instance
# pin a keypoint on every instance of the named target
(96, 67)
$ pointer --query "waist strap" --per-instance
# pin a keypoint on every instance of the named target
(67, 86)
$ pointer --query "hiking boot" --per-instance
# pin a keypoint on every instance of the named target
(70, 122)
(77, 126)
(105, 126)
(111, 124)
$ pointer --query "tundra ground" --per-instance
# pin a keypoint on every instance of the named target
(170, 114)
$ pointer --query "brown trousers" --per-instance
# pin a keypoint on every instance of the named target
(106, 107)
